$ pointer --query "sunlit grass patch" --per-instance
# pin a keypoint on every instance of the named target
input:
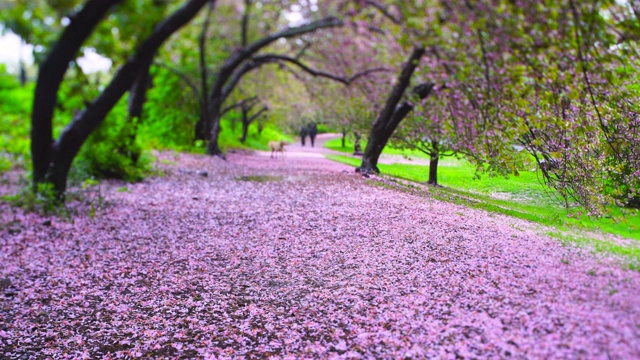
(523, 197)
(631, 253)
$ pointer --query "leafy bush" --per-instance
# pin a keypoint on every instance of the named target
(113, 150)
(171, 112)
(15, 106)
(44, 200)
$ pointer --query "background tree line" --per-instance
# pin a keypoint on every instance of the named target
(502, 83)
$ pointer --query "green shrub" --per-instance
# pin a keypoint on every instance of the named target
(15, 107)
(45, 200)
(113, 151)
(171, 112)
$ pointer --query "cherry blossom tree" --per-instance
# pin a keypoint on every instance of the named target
(566, 94)
(554, 78)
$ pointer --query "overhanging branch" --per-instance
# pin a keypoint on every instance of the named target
(274, 58)
(239, 104)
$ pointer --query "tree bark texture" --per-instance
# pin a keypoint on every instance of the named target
(61, 153)
(50, 77)
(392, 113)
(201, 126)
(433, 169)
(138, 92)
(434, 156)
(135, 105)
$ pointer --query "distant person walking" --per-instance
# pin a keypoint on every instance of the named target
(303, 134)
(313, 131)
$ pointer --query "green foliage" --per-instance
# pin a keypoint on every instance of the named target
(45, 200)
(336, 144)
(230, 135)
(15, 106)
(113, 150)
(170, 113)
(324, 128)
(173, 127)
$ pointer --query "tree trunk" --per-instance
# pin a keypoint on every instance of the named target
(245, 131)
(50, 77)
(433, 169)
(434, 156)
(201, 126)
(138, 92)
(246, 120)
(392, 114)
(214, 132)
(344, 137)
(23, 74)
(137, 98)
(357, 148)
(245, 124)
(64, 150)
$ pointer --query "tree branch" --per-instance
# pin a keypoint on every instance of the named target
(384, 11)
(271, 58)
(306, 46)
(74, 135)
(237, 104)
(260, 112)
(227, 69)
(245, 21)
(204, 101)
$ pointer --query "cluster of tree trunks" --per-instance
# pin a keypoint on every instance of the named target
(52, 159)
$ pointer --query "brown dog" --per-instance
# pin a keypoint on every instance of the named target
(277, 146)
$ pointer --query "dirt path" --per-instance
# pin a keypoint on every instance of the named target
(301, 258)
(296, 150)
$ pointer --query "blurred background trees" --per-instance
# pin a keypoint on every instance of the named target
(515, 84)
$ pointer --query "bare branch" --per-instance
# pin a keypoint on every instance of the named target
(230, 67)
(306, 46)
(238, 104)
(245, 21)
(260, 112)
(271, 58)
(384, 11)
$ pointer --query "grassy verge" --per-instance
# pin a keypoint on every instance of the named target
(522, 197)
(336, 145)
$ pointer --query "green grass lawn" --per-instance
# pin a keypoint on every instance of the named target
(523, 197)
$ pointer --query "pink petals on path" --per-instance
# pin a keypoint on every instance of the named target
(301, 258)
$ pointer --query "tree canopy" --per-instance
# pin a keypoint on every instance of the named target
(494, 81)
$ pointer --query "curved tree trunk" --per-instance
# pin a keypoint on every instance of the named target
(392, 114)
(248, 120)
(201, 126)
(245, 124)
(214, 133)
(60, 155)
(50, 77)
